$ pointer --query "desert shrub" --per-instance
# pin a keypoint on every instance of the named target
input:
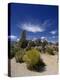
(38, 48)
(32, 59)
(49, 51)
(55, 49)
(31, 44)
(23, 43)
(17, 49)
(19, 55)
(28, 48)
(11, 54)
(44, 44)
(38, 42)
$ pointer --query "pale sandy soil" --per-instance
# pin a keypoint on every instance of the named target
(20, 69)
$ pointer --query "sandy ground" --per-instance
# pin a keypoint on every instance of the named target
(20, 69)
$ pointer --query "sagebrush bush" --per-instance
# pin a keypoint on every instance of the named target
(19, 55)
(55, 48)
(38, 49)
(31, 44)
(11, 54)
(32, 58)
(28, 48)
(49, 51)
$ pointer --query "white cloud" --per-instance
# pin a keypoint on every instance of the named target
(34, 39)
(17, 39)
(12, 37)
(47, 23)
(39, 27)
(53, 32)
(32, 28)
(43, 37)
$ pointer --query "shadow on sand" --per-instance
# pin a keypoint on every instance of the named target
(40, 67)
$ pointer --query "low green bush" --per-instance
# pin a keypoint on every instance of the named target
(49, 51)
(32, 59)
(55, 48)
(31, 44)
(28, 48)
(11, 54)
(19, 55)
(38, 49)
